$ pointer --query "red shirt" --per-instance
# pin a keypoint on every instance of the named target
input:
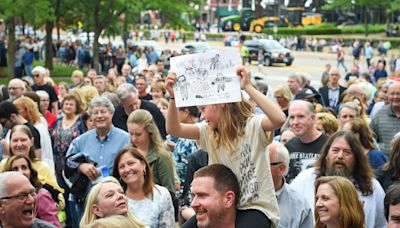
(51, 119)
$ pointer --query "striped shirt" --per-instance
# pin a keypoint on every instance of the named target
(385, 124)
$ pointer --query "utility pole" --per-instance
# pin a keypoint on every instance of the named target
(218, 17)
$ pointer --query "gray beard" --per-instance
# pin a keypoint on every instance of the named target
(343, 173)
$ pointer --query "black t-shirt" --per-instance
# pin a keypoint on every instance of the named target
(50, 90)
(303, 155)
(120, 117)
(148, 97)
(244, 219)
(36, 135)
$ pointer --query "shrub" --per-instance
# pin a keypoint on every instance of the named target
(59, 70)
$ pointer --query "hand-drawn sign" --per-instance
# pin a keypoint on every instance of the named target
(206, 78)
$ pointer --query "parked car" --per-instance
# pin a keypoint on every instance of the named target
(273, 51)
(196, 47)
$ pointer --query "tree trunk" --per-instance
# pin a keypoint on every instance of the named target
(366, 20)
(96, 51)
(57, 14)
(125, 33)
(11, 47)
(97, 32)
(49, 46)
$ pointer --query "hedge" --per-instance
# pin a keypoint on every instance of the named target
(326, 29)
(58, 70)
(394, 42)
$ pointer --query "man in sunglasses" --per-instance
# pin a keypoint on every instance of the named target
(39, 73)
(17, 202)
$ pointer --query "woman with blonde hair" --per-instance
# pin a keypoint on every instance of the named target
(283, 97)
(77, 79)
(326, 123)
(158, 91)
(88, 93)
(235, 137)
(149, 202)
(112, 76)
(106, 199)
(146, 137)
(28, 109)
(337, 204)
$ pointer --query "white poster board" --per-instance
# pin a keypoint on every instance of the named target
(206, 78)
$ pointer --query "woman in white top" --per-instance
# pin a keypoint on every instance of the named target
(28, 109)
(150, 203)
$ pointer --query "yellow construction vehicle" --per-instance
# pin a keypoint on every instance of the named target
(295, 17)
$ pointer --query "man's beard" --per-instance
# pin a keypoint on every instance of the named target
(345, 171)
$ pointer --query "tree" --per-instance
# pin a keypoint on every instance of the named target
(365, 5)
(11, 10)
(106, 14)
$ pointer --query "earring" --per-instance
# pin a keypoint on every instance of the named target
(144, 172)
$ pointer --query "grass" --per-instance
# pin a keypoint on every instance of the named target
(58, 74)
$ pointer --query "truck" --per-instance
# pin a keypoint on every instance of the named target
(294, 17)
(239, 22)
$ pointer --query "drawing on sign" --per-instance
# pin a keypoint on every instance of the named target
(183, 87)
(214, 62)
(220, 82)
(207, 78)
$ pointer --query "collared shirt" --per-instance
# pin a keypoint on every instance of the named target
(295, 212)
(103, 152)
(333, 96)
(385, 124)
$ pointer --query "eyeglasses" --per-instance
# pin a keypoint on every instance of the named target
(14, 88)
(36, 75)
(394, 94)
(275, 163)
(22, 196)
(99, 113)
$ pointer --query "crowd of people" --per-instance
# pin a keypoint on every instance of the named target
(115, 151)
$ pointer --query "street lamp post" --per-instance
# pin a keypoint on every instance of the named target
(218, 17)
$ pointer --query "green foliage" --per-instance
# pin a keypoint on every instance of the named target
(147, 35)
(59, 70)
(360, 29)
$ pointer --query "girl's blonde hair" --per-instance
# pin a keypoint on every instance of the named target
(92, 198)
(231, 124)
